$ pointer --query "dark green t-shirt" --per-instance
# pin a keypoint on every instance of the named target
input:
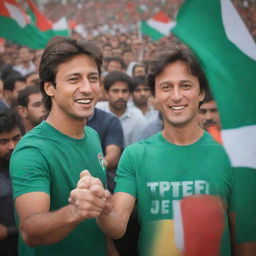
(48, 161)
(158, 173)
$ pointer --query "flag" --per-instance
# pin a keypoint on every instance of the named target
(227, 52)
(16, 26)
(157, 27)
(44, 24)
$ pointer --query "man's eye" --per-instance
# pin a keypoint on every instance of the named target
(166, 86)
(186, 86)
(94, 79)
(3, 141)
(73, 79)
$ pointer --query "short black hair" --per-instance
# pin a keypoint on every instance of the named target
(139, 80)
(117, 59)
(59, 50)
(24, 94)
(9, 82)
(117, 76)
(9, 120)
(171, 54)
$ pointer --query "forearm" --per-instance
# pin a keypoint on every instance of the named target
(113, 224)
(49, 227)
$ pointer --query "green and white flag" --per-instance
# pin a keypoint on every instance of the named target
(227, 52)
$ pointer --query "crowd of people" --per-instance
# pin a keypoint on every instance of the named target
(120, 104)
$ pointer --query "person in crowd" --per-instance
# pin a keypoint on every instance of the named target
(209, 118)
(115, 64)
(107, 50)
(26, 65)
(111, 135)
(30, 107)
(10, 134)
(61, 147)
(153, 172)
(32, 78)
(118, 87)
(13, 84)
(140, 98)
(138, 70)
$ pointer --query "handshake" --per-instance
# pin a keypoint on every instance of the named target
(89, 199)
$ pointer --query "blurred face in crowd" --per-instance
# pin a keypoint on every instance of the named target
(114, 42)
(178, 94)
(35, 111)
(208, 114)
(8, 141)
(140, 95)
(139, 71)
(32, 79)
(114, 66)
(117, 51)
(118, 96)
(107, 51)
(24, 55)
(128, 57)
(11, 96)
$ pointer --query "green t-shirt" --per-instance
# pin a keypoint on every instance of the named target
(157, 173)
(48, 161)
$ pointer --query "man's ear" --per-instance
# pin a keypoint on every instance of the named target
(202, 95)
(49, 88)
(23, 112)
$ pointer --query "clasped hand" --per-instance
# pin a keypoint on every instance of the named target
(90, 199)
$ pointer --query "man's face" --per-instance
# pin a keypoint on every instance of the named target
(139, 71)
(114, 66)
(35, 110)
(13, 95)
(140, 95)
(128, 57)
(178, 95)
(107, 51)
(77, 88)
(118, 95)
(208, 114)
(8, 141)
(24, 55)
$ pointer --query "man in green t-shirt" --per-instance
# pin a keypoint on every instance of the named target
(46, 164)
(181, 161)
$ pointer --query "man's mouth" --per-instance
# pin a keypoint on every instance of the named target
(177, 107)
(83, 101)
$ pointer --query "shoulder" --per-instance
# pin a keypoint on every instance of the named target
(144, 145)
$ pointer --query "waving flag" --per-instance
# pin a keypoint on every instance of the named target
(44, 24)
(217, 35)
(17, 26)
(157, 27)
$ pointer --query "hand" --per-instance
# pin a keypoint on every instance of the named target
(89, 197)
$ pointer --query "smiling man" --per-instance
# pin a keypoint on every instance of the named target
(179, 162)
(46, 164)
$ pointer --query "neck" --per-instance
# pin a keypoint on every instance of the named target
(71, 127)
(182, 136)
(117, 112)
(144, 108)
(26, 64)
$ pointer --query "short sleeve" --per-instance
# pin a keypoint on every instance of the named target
(126, 174)
(29, 171)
